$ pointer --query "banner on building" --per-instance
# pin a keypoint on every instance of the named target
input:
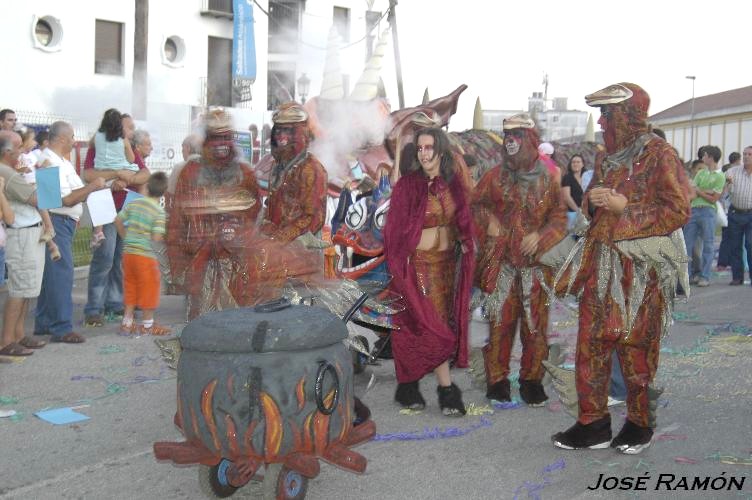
(243, 42)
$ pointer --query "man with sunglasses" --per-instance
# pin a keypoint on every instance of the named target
(519, 202)
(631, 257)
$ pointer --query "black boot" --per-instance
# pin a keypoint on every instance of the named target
(450, 401)
(632, 438)
(408, 395)
(532, 393)
(499, 391)
(595, 435)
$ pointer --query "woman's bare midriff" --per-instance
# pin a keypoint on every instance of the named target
(435, 238)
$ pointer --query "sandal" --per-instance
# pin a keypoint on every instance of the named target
(15, 349)
(94, 320)
(70, 338)
(31, 343)
(155, 329)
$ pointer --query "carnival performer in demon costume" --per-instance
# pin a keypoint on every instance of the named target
(631, 257)
(428, 241)
(519, 203)
(212, 220)
(288, 244)
(297, 186)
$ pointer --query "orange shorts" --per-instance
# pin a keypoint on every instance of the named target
(141, 281)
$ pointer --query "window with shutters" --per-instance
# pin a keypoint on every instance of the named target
(108, 48)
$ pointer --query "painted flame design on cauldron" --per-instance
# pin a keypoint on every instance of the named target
(273, 419)
(207, 399)
(310, 441)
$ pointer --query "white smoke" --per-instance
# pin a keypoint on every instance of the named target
(349, 126)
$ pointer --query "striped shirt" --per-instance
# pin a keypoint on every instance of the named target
(741, 187)
(144, 218)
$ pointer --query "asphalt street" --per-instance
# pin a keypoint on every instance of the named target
(128, 392)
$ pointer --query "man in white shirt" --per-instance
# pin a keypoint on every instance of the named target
(54, 313)
(739, 180)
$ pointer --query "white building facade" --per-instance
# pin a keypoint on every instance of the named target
(73, 62)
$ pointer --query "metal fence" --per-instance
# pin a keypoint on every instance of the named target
(166, 137)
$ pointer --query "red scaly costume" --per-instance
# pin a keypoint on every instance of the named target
(628, 268)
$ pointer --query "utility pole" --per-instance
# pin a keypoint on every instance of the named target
(140, 49)
(692, 120)
(397, 63)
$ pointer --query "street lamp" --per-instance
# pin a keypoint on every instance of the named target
(692, 119)
(303, 85)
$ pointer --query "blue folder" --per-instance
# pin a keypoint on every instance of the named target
(48, 188)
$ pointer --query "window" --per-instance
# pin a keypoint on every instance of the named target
(43, 32)
(284, 25)
(47, 33)
(173, 51)
(218, 6)
(341, 19)
(219, 72)
(108, 48)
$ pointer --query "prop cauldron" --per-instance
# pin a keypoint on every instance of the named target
(270, 385)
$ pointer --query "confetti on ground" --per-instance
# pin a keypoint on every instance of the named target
(670, 437)
(736, 461)
(684, 316)
(14, 359)
(643, 463)
(17, 417)
(435, 433)
(476, 410)
(506, 405)
(8, 400)
(111, 349)
(410, 412)
(530, 489)
(686, 460)
(7, 413)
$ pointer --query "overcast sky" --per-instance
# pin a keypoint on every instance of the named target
(502, 50)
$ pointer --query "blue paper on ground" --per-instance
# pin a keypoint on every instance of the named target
(61, 416)
(48, 188)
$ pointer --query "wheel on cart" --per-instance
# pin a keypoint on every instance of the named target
(360, 360)
(281, 483)
(213, 480)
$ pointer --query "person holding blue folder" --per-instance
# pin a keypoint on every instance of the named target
(54, 312)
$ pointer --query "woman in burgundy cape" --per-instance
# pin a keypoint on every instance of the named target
(428, 241)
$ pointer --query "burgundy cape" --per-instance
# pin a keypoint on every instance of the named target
(427, 340)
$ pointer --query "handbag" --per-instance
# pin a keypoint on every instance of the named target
(720, 214)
